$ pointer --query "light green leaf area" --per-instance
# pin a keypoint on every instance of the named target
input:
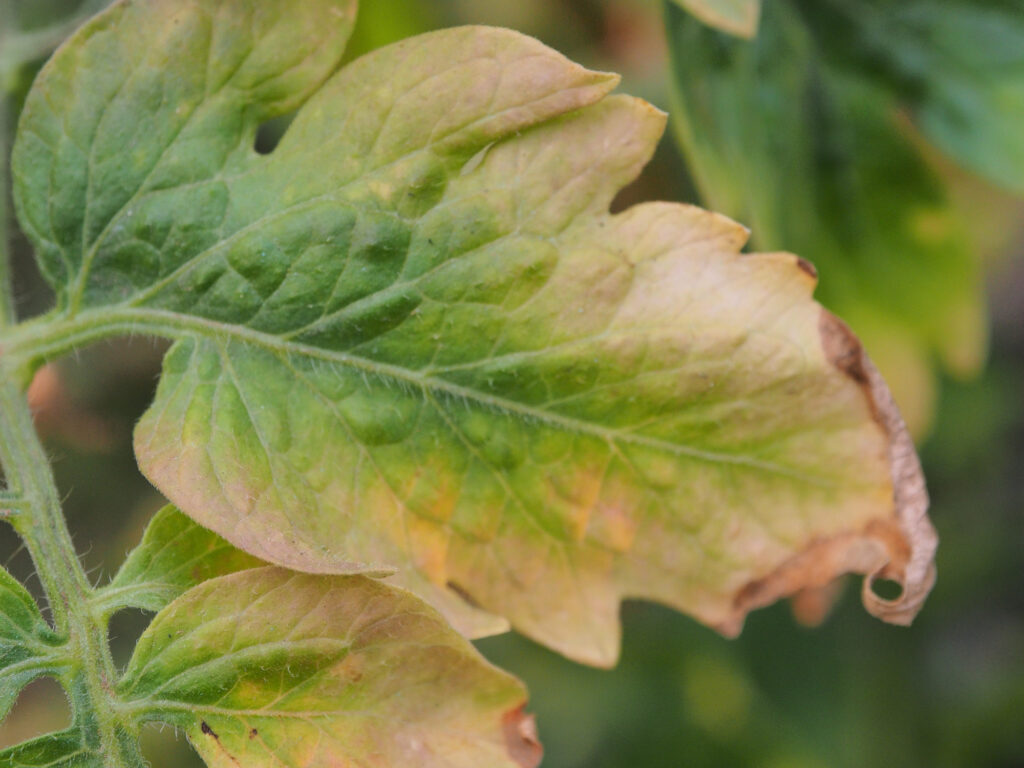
(175, 554)
(414, 337)
(815, 157)
(269, 667)
(27, 643)
(737, 17)
(66, 749)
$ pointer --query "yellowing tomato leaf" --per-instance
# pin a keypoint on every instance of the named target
(414, 337)
(269, 667)
(811, 151)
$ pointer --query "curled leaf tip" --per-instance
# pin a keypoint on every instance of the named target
(521, 737)
(907, 541)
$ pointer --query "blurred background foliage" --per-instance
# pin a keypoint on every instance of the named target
(883, 141)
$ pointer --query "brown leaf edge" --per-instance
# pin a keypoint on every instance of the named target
(521, 737)
(900, 547)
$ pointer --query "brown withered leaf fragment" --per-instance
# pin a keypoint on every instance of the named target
(900, 548)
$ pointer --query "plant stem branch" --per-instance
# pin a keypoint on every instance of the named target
(92, 676)
(7, 314)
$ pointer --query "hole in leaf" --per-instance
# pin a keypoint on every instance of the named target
(887, 589)
(269, 134)
(166, 745)
(41, 708)
(124, 631)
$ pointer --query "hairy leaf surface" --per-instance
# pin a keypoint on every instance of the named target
(26, 641)
(809, 146)
(269, 667)
(175, 554)
(66, 749)
(414, 337)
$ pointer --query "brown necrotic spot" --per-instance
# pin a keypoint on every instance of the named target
(842, 348)
(805, 266)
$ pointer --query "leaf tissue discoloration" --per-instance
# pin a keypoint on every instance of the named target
(261, 663)
(842, 348)
(415, 339)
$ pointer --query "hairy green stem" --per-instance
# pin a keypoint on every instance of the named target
(7, 315)
(92, 676)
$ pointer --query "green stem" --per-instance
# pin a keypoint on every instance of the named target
(92, 676)
(7, 314)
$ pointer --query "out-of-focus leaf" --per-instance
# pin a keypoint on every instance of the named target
(814, 158)
(413, 336)
(272, 668)
(383, 22)
(54, 750)
(26, 641)
(175, 555)
(957, 64)
(737, 17)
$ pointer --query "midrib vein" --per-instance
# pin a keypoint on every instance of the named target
(175, 325)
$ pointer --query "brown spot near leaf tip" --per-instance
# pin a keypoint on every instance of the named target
(842, 348)
(521, 737)
(205, 728)
(898, 544)
(806, 266)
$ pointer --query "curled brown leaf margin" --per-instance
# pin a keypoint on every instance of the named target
(899, 548)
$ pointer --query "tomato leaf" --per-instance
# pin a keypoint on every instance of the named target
(269, 667)
(175, 554)
(27, 643)
(413, 336)
(66, 749)
(788, 135)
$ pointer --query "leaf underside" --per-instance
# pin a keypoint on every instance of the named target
(413, 337)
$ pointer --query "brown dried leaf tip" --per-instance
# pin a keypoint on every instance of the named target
(902, 546)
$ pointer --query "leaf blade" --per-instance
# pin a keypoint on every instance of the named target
(175, 554)
(28, 646)
(422, 341)
(345, 666)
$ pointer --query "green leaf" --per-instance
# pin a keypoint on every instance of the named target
(814, 156)
(413, 336)
(175, 555)
(966, 97)
(737, 17)
(28, 646)
(272, 668)
(54, 750)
